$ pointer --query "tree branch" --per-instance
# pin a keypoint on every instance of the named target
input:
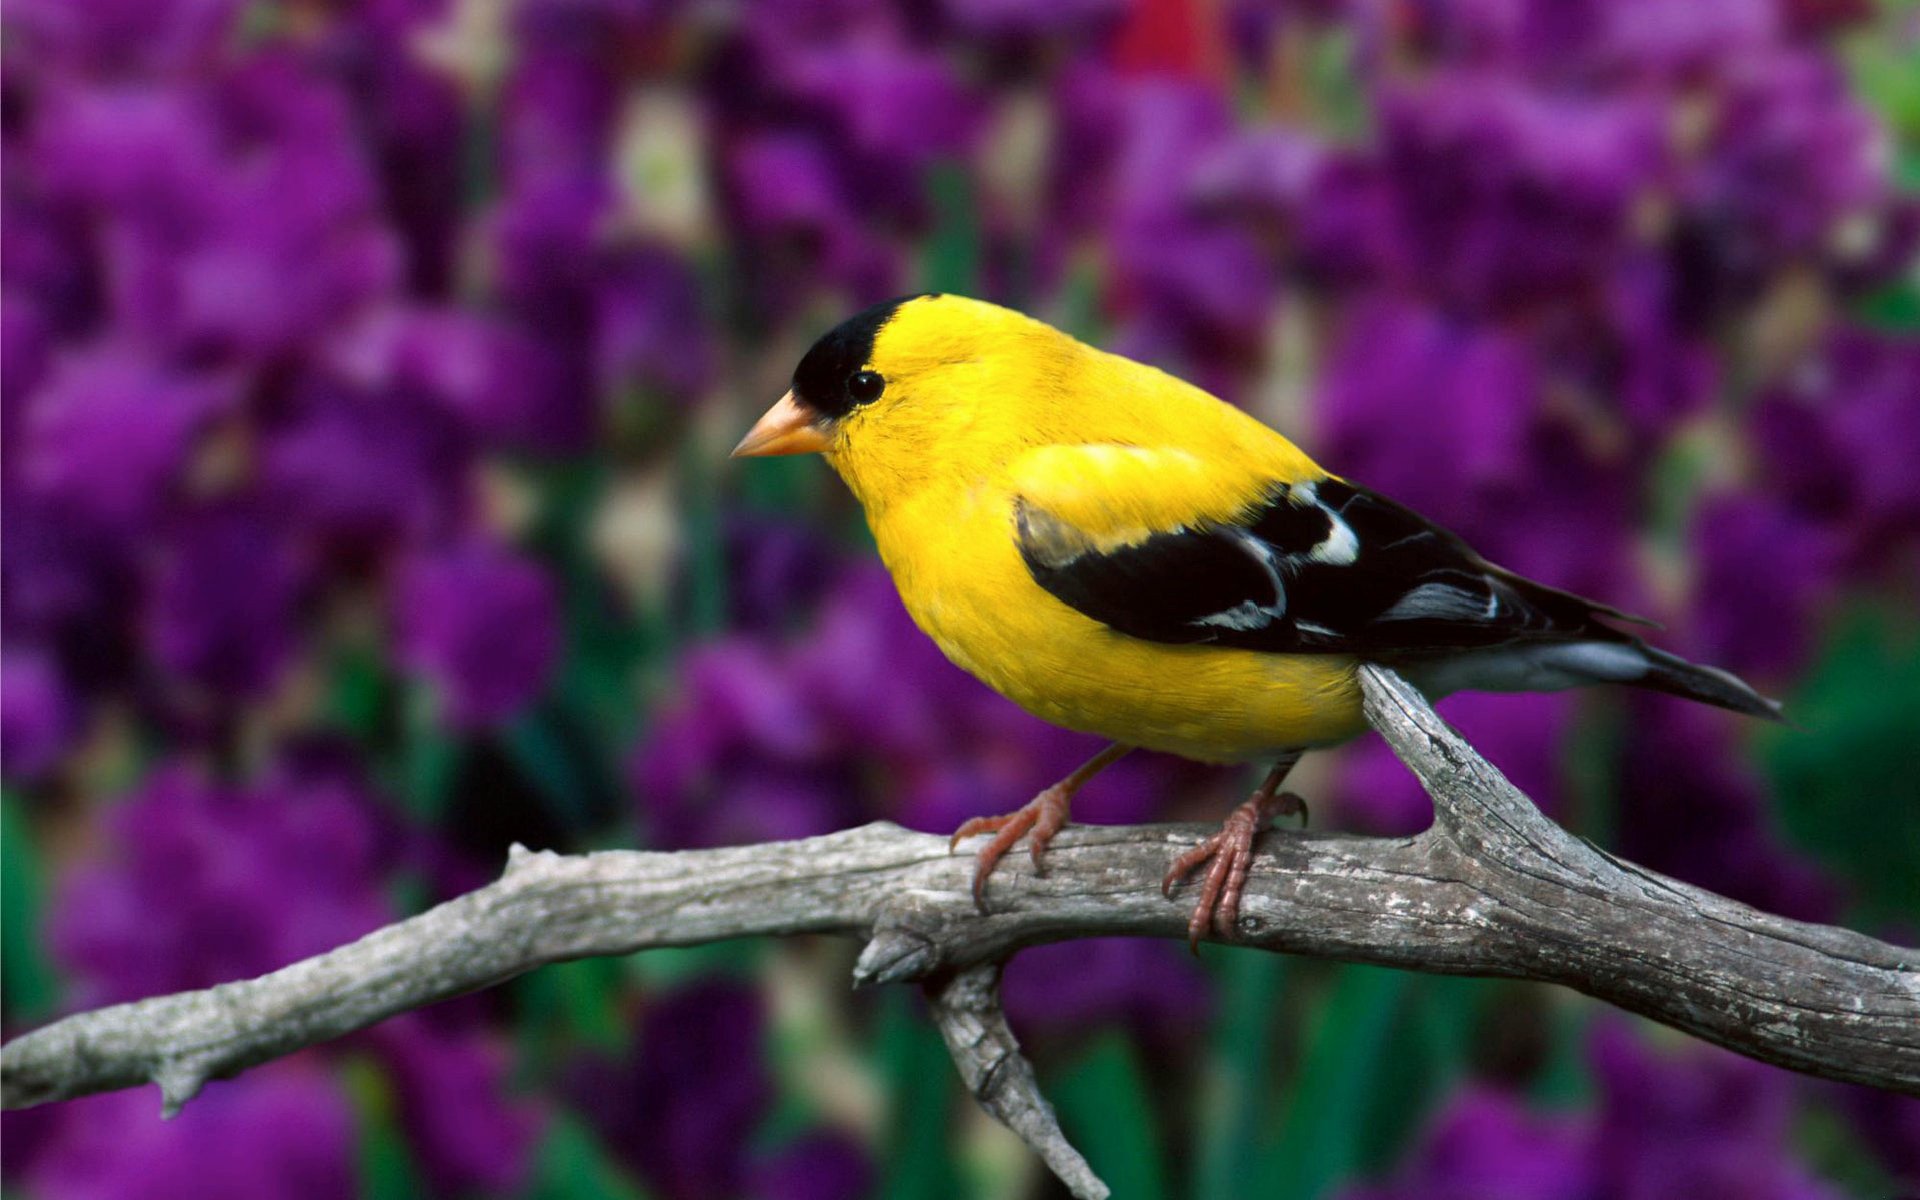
(1493, 888)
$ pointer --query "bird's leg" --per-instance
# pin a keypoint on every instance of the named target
(1043, 816)
(1228, 854)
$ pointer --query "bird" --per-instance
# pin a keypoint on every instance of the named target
(1121, 553)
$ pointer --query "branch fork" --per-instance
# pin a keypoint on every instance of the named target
(1492, 888)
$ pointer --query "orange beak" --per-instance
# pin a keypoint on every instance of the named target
(788, 428)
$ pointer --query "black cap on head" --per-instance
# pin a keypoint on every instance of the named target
(822, 378)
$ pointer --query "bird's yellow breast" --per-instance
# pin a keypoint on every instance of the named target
(953, 555)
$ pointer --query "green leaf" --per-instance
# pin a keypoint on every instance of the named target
(1844, 779)
(1106, 1111)
(33, 990)
(540, 751)
(919, 1081)
(952, 259)
(1425, 1052)
(387, 1167)
(706, 552)
(430, 761)
(1233, 1098)
(1339, 1078)
(573, 1165)
(569, 1004)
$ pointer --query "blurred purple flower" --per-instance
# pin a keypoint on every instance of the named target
(284, 1129)
(776, 572)
(817, 1166)
(38, 717)
(1765, 575)
(1507, 197)
(1690, 807)
(685, 1108)
(1151, 988)
(114, 37)
(1790, 161)
(450, 1086)
(110, 432)
(204, 883)
(361, 472)
(891, 110)
(1525, 736)
(738, 756)
(1487, 1145)
(494, 382)
(480, 622)
(26, 351)
(68, 585)
(1890, 1124)
(650, 333)
(1838, 440)
(224, 602)
(1701, 1123)
(1448, 417)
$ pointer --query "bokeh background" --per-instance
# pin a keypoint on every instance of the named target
(369, 370)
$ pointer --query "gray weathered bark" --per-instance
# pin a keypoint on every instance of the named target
(1493, 888)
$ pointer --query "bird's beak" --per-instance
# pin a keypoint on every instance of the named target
(788, 428)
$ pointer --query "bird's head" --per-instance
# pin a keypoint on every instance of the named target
(920, 389)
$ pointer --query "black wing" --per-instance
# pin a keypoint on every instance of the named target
(1322, 567)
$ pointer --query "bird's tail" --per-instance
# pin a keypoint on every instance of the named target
(1616, 658)
(1710, 685)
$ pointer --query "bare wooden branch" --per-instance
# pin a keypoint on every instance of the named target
(966, 1007)
(1493, 888)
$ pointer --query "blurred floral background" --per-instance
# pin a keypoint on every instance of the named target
(369, 369)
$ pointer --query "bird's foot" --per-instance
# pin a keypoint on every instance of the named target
(1227, 856)
(1038, 820)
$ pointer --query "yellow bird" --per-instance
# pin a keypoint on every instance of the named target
(1121, 553)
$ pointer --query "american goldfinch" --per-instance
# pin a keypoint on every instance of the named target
(1118, 552)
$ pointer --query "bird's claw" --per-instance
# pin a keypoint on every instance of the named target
(1041, 818)
(1227, 856)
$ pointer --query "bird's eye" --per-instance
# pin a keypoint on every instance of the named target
(865, 387)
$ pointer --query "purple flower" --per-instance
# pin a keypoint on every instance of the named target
(480, 622)
(1486, 1144)
(361, 471)
(450, 1085)
(119, 36)
(203, 883)
(1507, 197)
(1836, 441)
(284, 1129)
(223, 603)
(1703, 1122)
(26, 351)
(650, 334)
(1765, 576)
(1790, 160)
(38, 717)
(109, 433)
(685, 1108)
(1155, 989)
(489, 376)
(1014, 27)
(816, 1166)
(1689, 807)
(1449, 418)
(738, 756)
(1525, 736)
